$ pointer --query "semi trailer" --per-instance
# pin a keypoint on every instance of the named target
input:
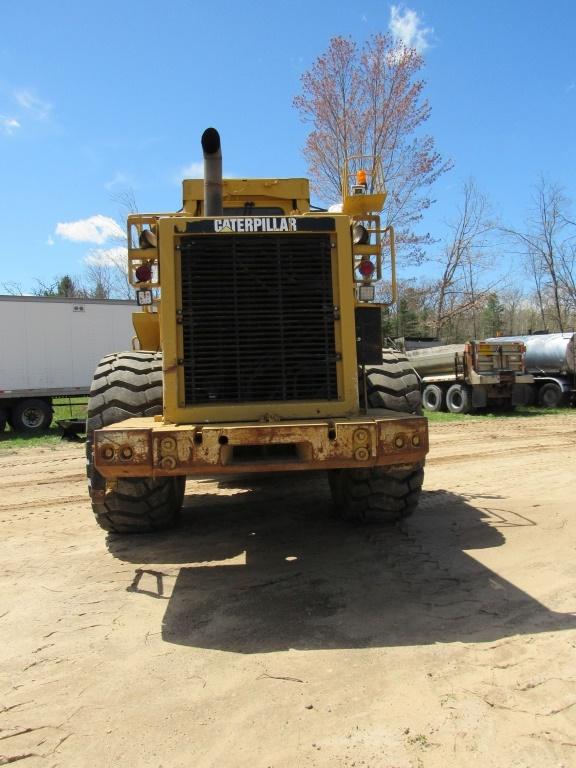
(551, 360)
(266, 354)
(49, 348)
(479, 374)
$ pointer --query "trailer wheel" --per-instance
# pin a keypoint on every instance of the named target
(126, 385)
(432, 398)
(32, 415)
(376, 494)
(3, 419)
(550, 395)
(394, 384)
(458, 399)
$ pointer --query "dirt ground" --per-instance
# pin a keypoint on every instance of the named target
(264, 633)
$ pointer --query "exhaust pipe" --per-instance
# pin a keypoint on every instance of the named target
(212, 172)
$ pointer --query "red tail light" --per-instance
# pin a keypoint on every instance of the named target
(143, 273)
(366, 268)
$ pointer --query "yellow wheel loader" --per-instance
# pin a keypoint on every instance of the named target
(259, 350)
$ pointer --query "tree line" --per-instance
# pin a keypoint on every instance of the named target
(479, 291)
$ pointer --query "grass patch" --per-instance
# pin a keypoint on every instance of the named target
(64, 408)
(70, 408)
(10, 441)
(521, 412)
(440, 416)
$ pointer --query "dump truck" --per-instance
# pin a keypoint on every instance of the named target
(551, 360)
(260, 350)
(463, 377)
(49, 347)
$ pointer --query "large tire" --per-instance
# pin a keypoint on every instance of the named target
(458, 399)
(550, 395)
(31, 415)
(376, 494)
(432, 398)
(382, 494)
(394, 384)
(126, 385)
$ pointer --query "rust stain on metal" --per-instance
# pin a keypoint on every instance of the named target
(159, 448)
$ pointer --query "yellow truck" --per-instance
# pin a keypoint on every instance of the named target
(259, 350)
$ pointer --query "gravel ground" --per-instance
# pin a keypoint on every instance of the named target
(263, 633)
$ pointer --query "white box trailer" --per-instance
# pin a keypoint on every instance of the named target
(50, 347)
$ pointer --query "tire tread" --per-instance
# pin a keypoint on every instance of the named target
(125, 385)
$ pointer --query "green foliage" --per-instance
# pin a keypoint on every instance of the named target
(493, 316)
(63, 286)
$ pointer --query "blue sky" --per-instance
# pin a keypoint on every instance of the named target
(99, 97)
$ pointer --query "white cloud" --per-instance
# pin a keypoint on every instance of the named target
(39, 109)
(406, 27)
(96, 229)
(107, 257)
(118, 180)
(50, 240)
(193, 171)
(9, 124)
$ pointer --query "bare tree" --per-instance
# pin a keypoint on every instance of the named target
(63, 286)
(108, 278)
(567, 270)
(368, 101)
(548, 243)
(13, 288)
(106, 270)
(514, 302)
(465, 256)
(126, 200)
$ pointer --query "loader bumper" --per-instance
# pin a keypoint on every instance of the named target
(144, 447)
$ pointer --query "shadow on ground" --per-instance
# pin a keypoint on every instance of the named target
(267, 568)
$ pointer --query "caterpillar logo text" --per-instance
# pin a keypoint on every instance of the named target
(256, 224)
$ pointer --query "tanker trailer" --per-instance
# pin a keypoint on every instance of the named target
(551, 359)
(463, 377)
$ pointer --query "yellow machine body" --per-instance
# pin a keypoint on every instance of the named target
(200, 436)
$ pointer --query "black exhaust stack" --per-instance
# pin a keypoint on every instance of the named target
(212, 172)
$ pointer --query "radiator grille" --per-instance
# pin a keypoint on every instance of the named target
(258, 318)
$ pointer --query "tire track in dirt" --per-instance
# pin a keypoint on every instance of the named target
(524, 450)
(43, 503)
(78, 477)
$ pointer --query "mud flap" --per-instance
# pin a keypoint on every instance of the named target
(479, 398)
(520, 393)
